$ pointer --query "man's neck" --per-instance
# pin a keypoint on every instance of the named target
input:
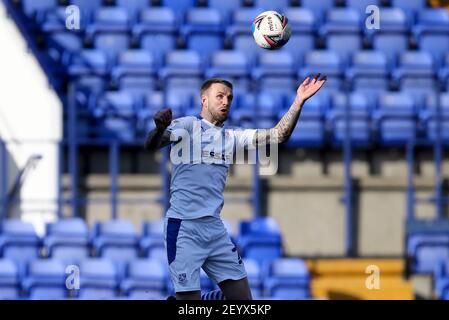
(211, 120)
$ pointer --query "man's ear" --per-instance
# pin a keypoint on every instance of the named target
(203, 100)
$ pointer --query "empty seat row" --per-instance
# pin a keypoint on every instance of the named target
(283, 278)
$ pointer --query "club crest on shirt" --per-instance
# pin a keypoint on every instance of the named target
(182, 277)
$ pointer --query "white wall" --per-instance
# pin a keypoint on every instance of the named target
(31, 122)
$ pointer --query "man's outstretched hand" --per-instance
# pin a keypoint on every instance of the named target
(163, 119)
(309, 87)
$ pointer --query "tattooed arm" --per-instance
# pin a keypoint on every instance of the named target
(283, 130)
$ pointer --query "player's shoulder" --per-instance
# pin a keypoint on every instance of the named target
(184, 122)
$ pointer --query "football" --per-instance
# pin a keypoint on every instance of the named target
(271, 30)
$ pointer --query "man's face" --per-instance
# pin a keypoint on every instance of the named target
(217, 101)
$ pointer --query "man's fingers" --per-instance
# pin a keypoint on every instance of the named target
(306, 81)
(316, 78)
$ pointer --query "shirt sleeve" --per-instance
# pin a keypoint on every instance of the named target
(179, 128)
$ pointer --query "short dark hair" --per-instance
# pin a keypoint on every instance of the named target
(206, 84)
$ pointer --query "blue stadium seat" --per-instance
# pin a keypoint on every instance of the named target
(145, 278)
(116, 240)
(415, 70)
(432, 32)
(9, 280)
(63, 45)
(32, 7)
(359, 119)
(260, 239)
(231, 65)
(393, 36)
(254, 274)
(133, 6)
(342, 31)
(67, 240)
(310, 132)
(135, 72)
(110, 31)
(239, 31)
(429, 117)
(410, 7)
(98, 279)
(225, 7)
(181, 64)
(327, 63)
(303, 24)
(179, 6)
(427, 243)
(361, 5)
(279, 5)
(287, 278)
(114, 104)
(275, 72)
(368, 70)
(395, 119)
(443, 74)
(157, 25)
(203, 31)
(152, 240)
(19, 241)
(87, 7)
(116, 128)
(441, 279)
(89, 62)
(319, 7)
(46, 280)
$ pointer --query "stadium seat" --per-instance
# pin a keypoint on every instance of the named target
(393, 37)
(368, 70)
(303, 24)
(427, 243)
(415, 71)
(254, 274)
(67, 240)
(181, 64)
(179, 6)
(9, 280)
(342, 31)
(410, 7)
(114, 104)
(311, 132)
(110, 31)
(203, 31)
(89, 62)
(441, 279)
(145, 278)
(359, 119)
(157, 25)
(32, 7)
(279, 5)
(231, 65)
(98, 279)
(260, 239)
(327, 63)
(395, 119)
(430, 115)
(225, 7)
(443, 73)
(46, 280)
(287, 278)
(432, 32)
(116, 240)
(361, 5)
(152, 240)
(133, 6)
(275, 72)
(239, 32)
(19, 241)
(135, 72)
(318, 7)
